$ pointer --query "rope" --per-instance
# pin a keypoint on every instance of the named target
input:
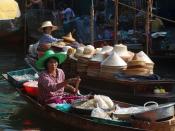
(145, 12)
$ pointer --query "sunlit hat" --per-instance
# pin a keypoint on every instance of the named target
(142, 56)
(88, 51)
(98, 57)
(106, 49)
(79, 51)
(114, 60)
(69, 37)
(98, 50)
(123, 52)
(61, 57)
(47, 24)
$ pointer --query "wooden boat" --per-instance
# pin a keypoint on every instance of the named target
(84, 122)
(136, 92)
(72, 119)
(133, 91)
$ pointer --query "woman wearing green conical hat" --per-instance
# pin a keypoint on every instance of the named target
(52, 84)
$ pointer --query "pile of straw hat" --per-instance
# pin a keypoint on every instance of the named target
(140, 65)
(112, 64)
(123, 52)
(106, 49)
(149, 63)
(89, 51)
(98, 50)
(83, 58)
(79, 52)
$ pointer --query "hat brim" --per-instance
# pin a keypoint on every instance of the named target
(53, 28)
(61, 57)
(68, 39)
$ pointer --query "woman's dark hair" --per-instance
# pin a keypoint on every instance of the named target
(47, 60)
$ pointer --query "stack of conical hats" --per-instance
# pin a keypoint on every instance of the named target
(112, 64)
(123, 52)
(149, 63)
(94, 65)
(139, 65)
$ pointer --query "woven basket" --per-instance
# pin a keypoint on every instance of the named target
(168, 125)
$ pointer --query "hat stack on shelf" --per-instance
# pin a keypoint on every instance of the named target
(83, 59)
(149, 63)
(123, 52)
(94, 65)
(140, 65)
(112, 64)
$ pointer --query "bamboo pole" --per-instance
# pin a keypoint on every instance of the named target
(25, 26)
(116, 22)
(147, 27)
(92, 22)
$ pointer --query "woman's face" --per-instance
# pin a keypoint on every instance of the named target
(52, 64)
(48, 30)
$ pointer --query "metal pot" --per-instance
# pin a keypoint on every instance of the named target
(126, 113)
(155, 113)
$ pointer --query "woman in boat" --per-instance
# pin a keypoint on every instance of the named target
(44, 42)
(52, 84)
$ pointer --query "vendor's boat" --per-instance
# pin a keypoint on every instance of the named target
(82, 121)
(132, 89)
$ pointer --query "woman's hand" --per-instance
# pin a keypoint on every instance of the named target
(71, 89)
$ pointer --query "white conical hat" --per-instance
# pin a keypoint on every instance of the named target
(114, 60)
(142, 56)
(107, 49)
(98, 57)
(121, 50)
(98, 50)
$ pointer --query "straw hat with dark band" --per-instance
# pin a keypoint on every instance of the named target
(69, 37)
(48, 24)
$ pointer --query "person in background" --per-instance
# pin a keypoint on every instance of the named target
(156, 24)
(68, 13)
(35, 4)
(52, 85)
(46, 39)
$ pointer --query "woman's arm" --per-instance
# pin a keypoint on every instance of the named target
(72, 81)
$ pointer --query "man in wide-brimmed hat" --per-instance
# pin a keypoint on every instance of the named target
(46, 28)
